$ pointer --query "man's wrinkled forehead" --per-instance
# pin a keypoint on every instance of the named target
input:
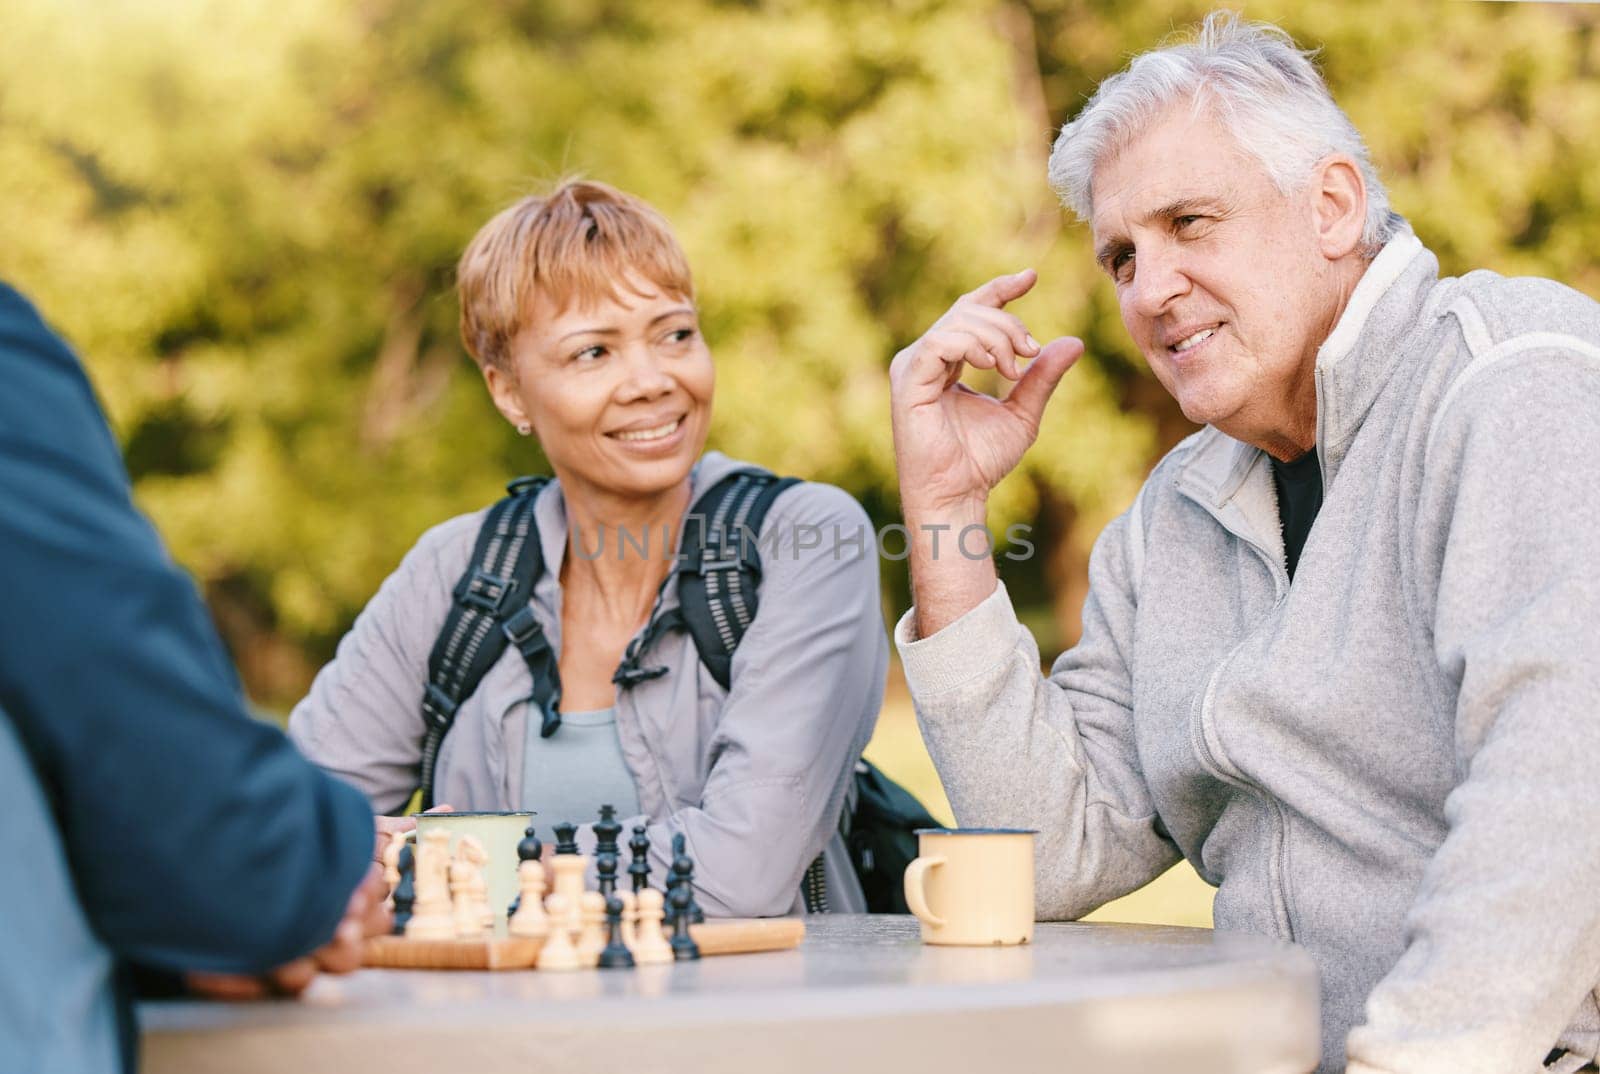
(1181, 161)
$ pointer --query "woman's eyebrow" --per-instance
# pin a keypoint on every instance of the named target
(674, 312)
(590, 332)
(612, 330)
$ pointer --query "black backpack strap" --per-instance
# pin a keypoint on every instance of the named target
(719, 564)
(489, 608)
(719, 568)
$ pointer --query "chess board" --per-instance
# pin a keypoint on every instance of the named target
(725, 936)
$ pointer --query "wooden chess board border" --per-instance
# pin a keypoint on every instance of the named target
(720, 936)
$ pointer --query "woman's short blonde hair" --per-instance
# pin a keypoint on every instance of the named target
(573, 246)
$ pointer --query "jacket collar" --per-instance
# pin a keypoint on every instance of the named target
(1353, 365)
(1371, 340)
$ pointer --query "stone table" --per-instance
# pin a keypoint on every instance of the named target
(861, 994)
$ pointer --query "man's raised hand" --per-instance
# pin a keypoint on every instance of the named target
(952, 445)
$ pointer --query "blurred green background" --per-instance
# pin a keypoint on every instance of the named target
(244, 213)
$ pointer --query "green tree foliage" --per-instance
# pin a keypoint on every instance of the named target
(245, 214)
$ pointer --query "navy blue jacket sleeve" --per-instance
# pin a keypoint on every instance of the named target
(198, 837)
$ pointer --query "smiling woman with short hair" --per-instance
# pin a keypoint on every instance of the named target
(579, 309)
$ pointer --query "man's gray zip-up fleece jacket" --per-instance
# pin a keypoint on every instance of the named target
(1391, 762)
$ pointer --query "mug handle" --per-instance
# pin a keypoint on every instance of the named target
(916, 897)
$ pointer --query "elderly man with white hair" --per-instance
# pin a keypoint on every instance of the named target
(1343, 651)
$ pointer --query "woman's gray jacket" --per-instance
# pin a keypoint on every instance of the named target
(755, 776)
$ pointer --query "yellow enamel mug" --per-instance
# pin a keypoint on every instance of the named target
(973, 886)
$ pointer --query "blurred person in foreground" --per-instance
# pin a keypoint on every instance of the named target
(155, 834)
(1341, 652)
(579, 310)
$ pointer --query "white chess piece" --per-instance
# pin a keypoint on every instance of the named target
(530, 920)
(479, 880)
(558, 952)
(592, 934)
(469, 892)
(391, 864)
(650, 942)
(431, 917)
(569, 870)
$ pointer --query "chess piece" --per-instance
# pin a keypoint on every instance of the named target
(569, 870)
(684, 949)
(650, 945)
(528, 849)
(405, 890)
(431, 916)
(606, 851)
(683, 868)
(591, 931)
(566, 838)
(391, 862)
(630, 918)
(615, 954)
(558, 952)
(469, 892)
(639, 868)
(530, 919)
(605, 864)
(606, 830)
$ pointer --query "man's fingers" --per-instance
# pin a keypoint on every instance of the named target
(1039, 382)
(1010, 327)
(293, 978)
(1002, 289)
(343, 953)
(1003, 335)
(378, 920)
(970, 335)
(227, 986)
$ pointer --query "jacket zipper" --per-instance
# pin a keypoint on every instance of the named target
(1278, 870)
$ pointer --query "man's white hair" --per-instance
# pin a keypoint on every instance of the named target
(1266, 92)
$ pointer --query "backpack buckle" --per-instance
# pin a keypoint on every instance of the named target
(517, 486)
(522, 627)
(487, 592)
(438, 708)
(631, 674)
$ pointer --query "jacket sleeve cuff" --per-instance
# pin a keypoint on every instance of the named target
(979, 641)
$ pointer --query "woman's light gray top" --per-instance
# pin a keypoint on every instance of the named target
(753, 776)
(570, 775)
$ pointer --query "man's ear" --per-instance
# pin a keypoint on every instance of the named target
(1339, 206)
(503, 390)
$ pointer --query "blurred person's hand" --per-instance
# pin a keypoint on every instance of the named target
(365, 915)
(387, 828)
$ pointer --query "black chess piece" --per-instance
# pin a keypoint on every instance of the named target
(683, 870)
(606, 851)
(566, 838)
(639, 868)
(684, 949)
(405, 892)
(606, 830)
(605, 866)
(528, 849)
(615, 955)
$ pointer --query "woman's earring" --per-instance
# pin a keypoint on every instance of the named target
(525, 429)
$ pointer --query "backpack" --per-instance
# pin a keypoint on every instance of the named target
(718, 569)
